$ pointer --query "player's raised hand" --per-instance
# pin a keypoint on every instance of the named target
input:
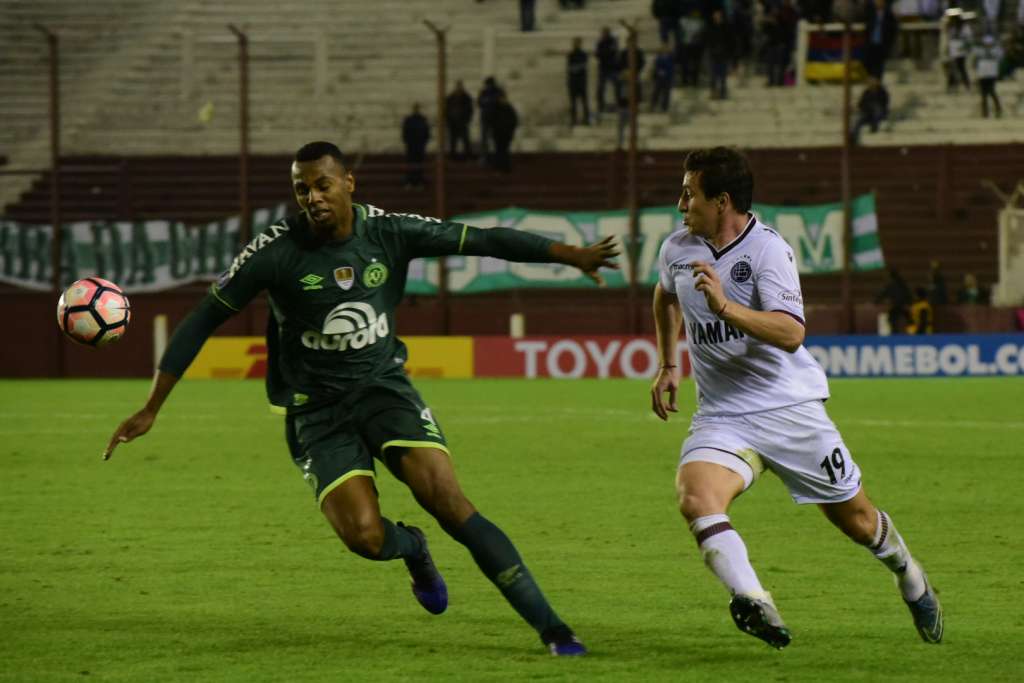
(707, 283)
(667, 381)
(598, 255)
(136, 425)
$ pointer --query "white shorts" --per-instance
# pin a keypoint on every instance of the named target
(799, 443)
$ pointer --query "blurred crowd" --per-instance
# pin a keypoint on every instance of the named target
(912, 310)
(709, 43)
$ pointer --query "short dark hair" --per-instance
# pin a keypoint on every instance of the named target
(311, 151)
(723, 170)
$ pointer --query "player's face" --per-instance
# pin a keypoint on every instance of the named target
(702, 214)
(323, 190)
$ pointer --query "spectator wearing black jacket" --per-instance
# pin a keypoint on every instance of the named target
(487, 102)
(668, 13)
(607, 54)
(880, 29)
(720, 44)
(872, 109)
(458, 111)
(505, 122)
(576, 77)
(415, 134)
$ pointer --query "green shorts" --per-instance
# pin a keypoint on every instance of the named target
(334, 443)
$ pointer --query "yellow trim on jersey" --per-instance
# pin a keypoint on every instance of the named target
(218, 297)
(341, 480)
(278, 410)
(362, 210)
(415, 444)
(462, 240)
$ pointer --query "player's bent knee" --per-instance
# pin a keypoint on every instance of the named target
(364, 537)
(694, 504)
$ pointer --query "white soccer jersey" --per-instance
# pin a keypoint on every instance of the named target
(735, 373)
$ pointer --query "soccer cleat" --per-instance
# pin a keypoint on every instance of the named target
(562, 642)
(760, 619)
(427, 583)
(927, 613)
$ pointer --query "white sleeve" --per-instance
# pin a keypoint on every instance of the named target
(777, 280)
(664, 274)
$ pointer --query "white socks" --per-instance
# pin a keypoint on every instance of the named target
(725, 554)
(888, 546)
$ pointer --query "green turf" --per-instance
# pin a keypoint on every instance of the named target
(197, 553)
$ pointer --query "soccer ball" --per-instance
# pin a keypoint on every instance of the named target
(94, 312)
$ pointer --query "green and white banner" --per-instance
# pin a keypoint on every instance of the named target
(814, 232)
(153, 255)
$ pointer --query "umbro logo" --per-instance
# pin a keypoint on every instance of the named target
(311, 281)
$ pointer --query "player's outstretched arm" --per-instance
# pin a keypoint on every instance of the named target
(589, 259)
(520, 245)
(667, 320)
(182, 349)
(141, 422)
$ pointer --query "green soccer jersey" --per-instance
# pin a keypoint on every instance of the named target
(332, 329)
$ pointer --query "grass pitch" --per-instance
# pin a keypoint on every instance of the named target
(197, 552)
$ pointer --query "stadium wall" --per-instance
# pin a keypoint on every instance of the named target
(34, 347)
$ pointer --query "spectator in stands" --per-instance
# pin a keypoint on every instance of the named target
(1015, 47)
(921, 313)
(607, 54)
(896, 294)
(668, 13)
(527, 14)
(458, 110)
(641, 61)
(970, 292)
(691, 49)
(576, 75)
(505, 122)
(742, 22)
(880, 29)
(872, 109)
(663, 78)
(987, 58)
(719, 41)
(958, 42)
(938, 295)
(415, 134)
(779, 29)
(487, 103)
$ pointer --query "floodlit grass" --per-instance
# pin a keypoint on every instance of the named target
(197, 552)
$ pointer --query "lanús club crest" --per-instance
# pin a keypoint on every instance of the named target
(741, 271)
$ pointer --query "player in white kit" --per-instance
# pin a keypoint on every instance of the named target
(732, 281)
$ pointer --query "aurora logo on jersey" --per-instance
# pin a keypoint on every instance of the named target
(351, 325)
(345, 276)
(712, 332)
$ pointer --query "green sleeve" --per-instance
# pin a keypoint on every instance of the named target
(192, 333)
(430, 237)
(251, 272)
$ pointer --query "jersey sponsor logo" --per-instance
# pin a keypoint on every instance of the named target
(258, 242)
(716, 332)
(792, 296)
(351, 325)
(345, 276)
(741, 271)
(375, 274)
(676, 267)
(311, 281)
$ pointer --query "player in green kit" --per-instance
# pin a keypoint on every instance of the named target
(334, 274)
